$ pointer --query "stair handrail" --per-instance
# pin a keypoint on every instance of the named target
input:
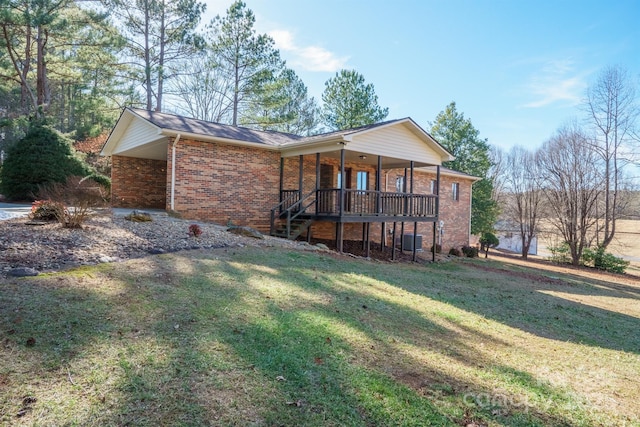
(290, 209)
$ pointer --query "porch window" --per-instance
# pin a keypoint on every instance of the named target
(362, 180)
(400, 184)
(455, 191)
(434, 186)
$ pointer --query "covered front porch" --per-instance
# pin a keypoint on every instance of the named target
(346, 186)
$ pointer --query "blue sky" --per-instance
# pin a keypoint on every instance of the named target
(517, 69)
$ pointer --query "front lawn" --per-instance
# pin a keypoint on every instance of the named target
(270, 337)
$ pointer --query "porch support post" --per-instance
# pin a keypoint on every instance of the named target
(300, 174)
(437, 192)
(367, 251)
(415, 224)
(393, 242)
(404, 208)
(342, 179)
(411, 191)
(433, 245)
(281, 177)
(383, 226)
(433, 256)
(340, 225)
(379, 186)
(415, 241)
(317, 171)
(364, 236)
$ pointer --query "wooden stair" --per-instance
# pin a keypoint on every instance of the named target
(298, 226)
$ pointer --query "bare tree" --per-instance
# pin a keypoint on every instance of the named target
(202, 91)
(523, 204)
(497, 173)
(570, 180)
(612, 108)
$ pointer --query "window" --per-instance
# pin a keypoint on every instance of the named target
(455, 191)
(400, 184)
(362, 180)
(434, 186)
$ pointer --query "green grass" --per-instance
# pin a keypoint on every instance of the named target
(270, 337)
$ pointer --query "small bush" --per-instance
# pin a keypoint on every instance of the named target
(560, 254)
(438, 249)
(602, 260)
(79, 194)
(470, 251)
(195, 230)
(455, 252)
(47, 210)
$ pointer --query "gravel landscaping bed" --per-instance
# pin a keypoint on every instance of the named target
(105, 237)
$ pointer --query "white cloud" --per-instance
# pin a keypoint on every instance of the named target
(556, 82)
(311, 58)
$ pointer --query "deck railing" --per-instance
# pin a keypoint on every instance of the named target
(369, 202)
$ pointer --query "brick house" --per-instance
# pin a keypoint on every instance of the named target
(394, 187)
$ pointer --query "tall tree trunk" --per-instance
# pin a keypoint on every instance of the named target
(163, 30)
(236, 90)
(42, 83)
(147, 58)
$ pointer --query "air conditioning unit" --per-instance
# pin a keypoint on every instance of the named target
(407, 239)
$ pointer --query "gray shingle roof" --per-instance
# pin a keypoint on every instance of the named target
(201, 127)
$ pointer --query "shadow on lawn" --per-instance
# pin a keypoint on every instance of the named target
(523, 300)
(199, 343)
(355, 377)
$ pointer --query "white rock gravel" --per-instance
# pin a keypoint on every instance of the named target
(106, 237)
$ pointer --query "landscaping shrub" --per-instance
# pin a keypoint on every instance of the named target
(42, 157)
(470, 251)
(560, 254)
(602, 260)
(47, 210)
(195, 230)
(79, 194)
(455, 252)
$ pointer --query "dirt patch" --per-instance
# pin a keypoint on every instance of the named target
(354, 247)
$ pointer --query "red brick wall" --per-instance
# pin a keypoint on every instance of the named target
(138, 183)
(454, 213)
(219, 182)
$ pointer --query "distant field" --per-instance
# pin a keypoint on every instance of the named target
(625, 245)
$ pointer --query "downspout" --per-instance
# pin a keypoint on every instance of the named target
(173, 172)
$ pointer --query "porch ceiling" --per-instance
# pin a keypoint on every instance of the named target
(371, 159)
